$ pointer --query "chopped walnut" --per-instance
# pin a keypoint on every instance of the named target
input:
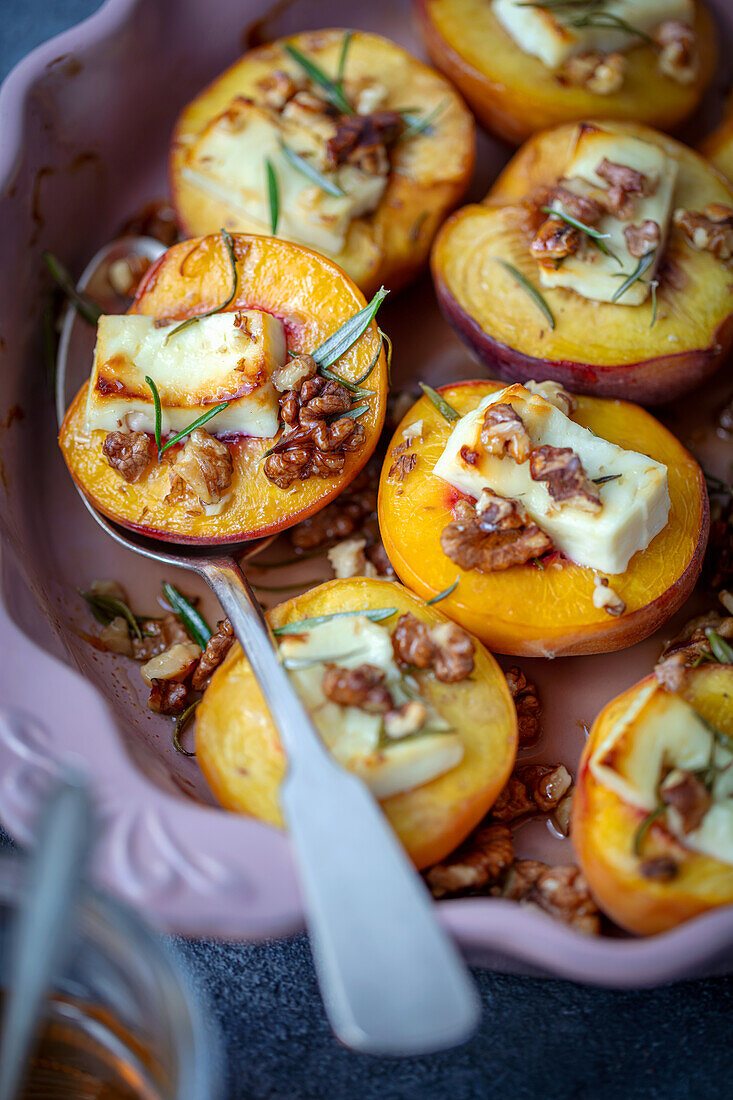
(628, 179)
(584, 208)
(688, 795)
(445, 648)
(468, 455)
(532, 788)
(527, 702)
(354, 507)
(175, 663)
(709, 231)
(562, 813)
(567, 482)
(672, 672)
(130, 453)
(216, 650)
(167, 696)
(298, 370)
(606, 598)
(553, 241)
(641, 239)
(561, 892)
(601, 74)
(402, 466)
(204, 468)
(678, 54)
(479, 862)
(497, 538)
(154, 641)
(361, 139)
(692, 642)
(276, 88)
(659, 869)
(556, 394)
(405, 720)
(503, 432)
(361, 687)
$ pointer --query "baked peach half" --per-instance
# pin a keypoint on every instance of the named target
(652, 818)
(210, 424)
(598, 259)
(496, 506)
(519, 77)
(338, 140)
(402, 697)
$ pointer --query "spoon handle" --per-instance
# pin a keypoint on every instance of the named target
(392, 981)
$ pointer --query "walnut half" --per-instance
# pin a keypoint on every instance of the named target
(567, 481)
(499, 536)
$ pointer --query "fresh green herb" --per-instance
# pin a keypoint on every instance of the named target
(374, 614)
(530, 289)
(363, 377)
(232, 257)
(388, 342)
(608, 19)
(595, 236)
(421, 124)
(440, 403)
(643, 829)
(442, 595)
(334, 92)
(653, 285)
(273, 195)
(344, 338)
(194, 623)
(307, 169)
(539, 563)
(643, 265)
(203, 419)
(158, 412)
(342, 59)
(586, 13)
(722, 652)
(85, 306)
(182, 723)
(106, 608)
(606, 479)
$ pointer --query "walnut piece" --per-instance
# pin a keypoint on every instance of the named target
(709, 231)
(497, 538)
(167, 696)
(216, 650)
(479, 862)
(688, 795)
(298, 370)
(605, 597)
(503, 432)
(689, 647)
(556, 394)
(567, 482)
(641, 239)
(361, 140)
(446, 648)
(361, 687)
(276, 88)
(561, 892)
(658, 869)
(532, 788)
(628, 179)
(344, 517)
(204, 469)
(402, 466)
(553, 242)
(347, 559)
(130, 453)
(678, 54)
(599, 73)
(406, 719)
(584, 208)
(527, 702)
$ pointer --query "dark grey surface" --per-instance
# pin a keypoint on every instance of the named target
(539, 1039)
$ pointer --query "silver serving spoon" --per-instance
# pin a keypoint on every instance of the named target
(391, 979)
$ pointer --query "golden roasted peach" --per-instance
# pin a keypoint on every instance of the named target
(426, 171)
(240, 753)
(647, 352)
(545, 607)
(514, 94)
(313, 298)
(648, 880)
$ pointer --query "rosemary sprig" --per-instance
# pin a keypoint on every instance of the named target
(273, 195)
(606, 479)
(388, 342)
(203, 419)
(310, 171)
(643, 829)
(363, 377)
(374, 614)
(442, 595)
(342, 59)
(422, 124)
(530, 289)
(157, 411)
(327, 353)
(229, 245)
(722, 652)
(194, 623)
(608, 19)
(653, 285)
(182, 723)
(334, 91)
(85, 306)
(594, 235)
(106, 608)
(643, 265)
(447, 411)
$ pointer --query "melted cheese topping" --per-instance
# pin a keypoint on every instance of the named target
(228, 161)
(352, 735)
(225, 357)
(635, 505)
(590, 272)
(659, 731)
(550, 36)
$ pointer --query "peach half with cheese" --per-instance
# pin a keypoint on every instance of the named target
(653, 808)
(206, 418)
(524, 66)
(600, 259)
(337, 140)
(400, 695)
(554, 525)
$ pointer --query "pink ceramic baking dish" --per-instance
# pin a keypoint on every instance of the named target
(84, 126)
